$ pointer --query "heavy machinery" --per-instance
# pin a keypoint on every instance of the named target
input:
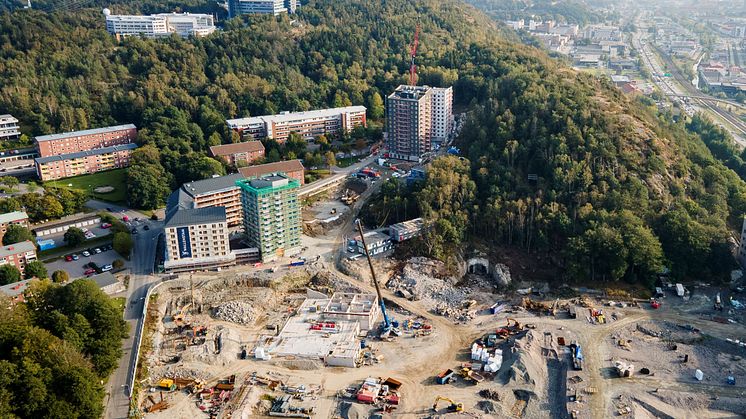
(453, 407)
(577, 356)
(718, 303)
(413, 54)
(388, 327)
(179, 318)
(470, 375)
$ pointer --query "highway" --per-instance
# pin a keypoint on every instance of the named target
(141, 278)
(683, 92)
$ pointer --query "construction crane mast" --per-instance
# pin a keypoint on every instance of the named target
(413, 53)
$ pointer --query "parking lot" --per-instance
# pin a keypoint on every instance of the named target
(75, 268)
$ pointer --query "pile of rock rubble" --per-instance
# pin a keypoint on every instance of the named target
(235, 312)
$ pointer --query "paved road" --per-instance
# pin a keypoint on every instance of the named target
(141, 278)
(339, 173)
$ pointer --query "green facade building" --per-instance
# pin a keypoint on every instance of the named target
(272, 215)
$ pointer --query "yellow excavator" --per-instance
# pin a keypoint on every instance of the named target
(453, 407)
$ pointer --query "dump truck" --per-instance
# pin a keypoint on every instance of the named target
(444, 377)
(577, 356)
(679, 290)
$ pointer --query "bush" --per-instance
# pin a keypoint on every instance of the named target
(74, 237)
(17, 233)
(60, 277)
(36, 269)
(123, 244)
(118, 264)
(9, 274)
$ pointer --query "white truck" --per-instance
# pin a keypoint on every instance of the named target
(679, 290)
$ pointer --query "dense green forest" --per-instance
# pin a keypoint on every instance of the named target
(566, 11)
(56, 350)
(620, 191)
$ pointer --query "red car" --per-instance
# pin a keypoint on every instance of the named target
(105, 225)
(68, 258)
(89, 271)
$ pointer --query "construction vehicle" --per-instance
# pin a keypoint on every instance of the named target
(469, 374)
(655, 304)
(179, 318)
(388, 327)
(718, 303)
(156, 406)
(453, 407)
(444, 377)
(167, 384)
(227, 384)
(349, 197)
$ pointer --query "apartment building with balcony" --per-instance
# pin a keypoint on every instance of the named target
(417, 117)
(239, 154)
(197, 239)
(308, 124)
(83, 162)
(219, 191)
(272, 215)
(76, 141)
(291, 168)
(409, 122)
(18, 255)
(9, 129)
(9, 218)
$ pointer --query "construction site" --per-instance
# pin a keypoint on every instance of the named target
(314, 342)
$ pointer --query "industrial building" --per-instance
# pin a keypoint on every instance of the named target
(59, 227)
(84, 162)
(406, 230)
(239, 154)
(353, 307)
(9, 129)
(18, 255)
(416, 118)
(272, 216)
(15, 217)
(265, 7)
(377, 242)
(197, 239)
(160, 25)
(219, 191)
(73, 142)
(291, 168)
(308, 124)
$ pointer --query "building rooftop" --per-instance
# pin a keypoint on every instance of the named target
(293, 116)
(186, 217)
(104, 279)
(211, 185)
(228, 149)
(10, 217)
(405, 91)
(85, 132)
(415, 224)
(14, 249)
(277, 167)
(17, 288)
(5, 118)
(273, 182)
(79, 154)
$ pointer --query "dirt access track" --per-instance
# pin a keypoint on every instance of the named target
(533, 381)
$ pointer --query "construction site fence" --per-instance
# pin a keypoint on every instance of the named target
(135, 356)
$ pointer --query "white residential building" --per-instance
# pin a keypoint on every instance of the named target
(308, 124)
(264, 7)
(9, 128)
(442, 110)
(163, 24)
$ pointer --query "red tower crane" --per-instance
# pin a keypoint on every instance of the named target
(413, 52)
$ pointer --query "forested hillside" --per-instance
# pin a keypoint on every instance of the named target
(620, 191)
(56, 349)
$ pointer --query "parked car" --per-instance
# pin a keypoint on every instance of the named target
(125, 218)
(106, 268)
(146, 228)
(75, 257)
(68, 258)
(134, 231)
(109, 209)
(89, 271)
(97, 250)
(86, 253)
(105, 225)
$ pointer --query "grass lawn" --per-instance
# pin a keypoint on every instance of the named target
(348, 161)
(314, 175)
(115, 178)
(120, 301)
